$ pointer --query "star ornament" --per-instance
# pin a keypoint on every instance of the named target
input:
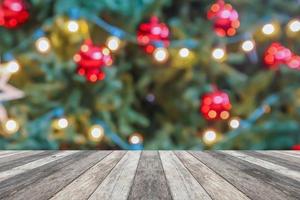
(7, 92)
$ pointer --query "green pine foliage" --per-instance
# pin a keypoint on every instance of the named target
(172, 120)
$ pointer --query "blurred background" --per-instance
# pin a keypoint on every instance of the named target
(149, 74)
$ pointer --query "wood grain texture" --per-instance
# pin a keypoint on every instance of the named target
(26, 177)
(266, 164)
(48, 186)
(117, 184)
(214, 184)
(287, 186)
(153, 175)
(182, 184)
(85, 184)
(22, 159)
(150, 181)
(279, 159)
(253, 187)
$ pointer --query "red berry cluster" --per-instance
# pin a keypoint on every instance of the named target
(91, 59)
(215, 105)
(13, 13)
(225, 18)
(277, 54)
(151, 33)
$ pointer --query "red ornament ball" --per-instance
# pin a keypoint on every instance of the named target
(91, 59)
(277, 54)
(296, 147)
(13, 13)
(225, 18)
(215, 105)
(151, 33)
(294, 62)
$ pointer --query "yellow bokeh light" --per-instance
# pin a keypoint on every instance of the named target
(161, 54)
(209, 136)
(234, 123)
(96, 133)
(113, 43)
(11, 126)
(248, 45)
(218, 53)
(42, 45)
(184, 52)
(73, 26)
(268, 29)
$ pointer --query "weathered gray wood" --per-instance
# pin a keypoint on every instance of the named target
(4, 154)
(182, 184)
(254, 187)
(276, 158)
(216, 186)
(268, 165)
(149, 175)
(29, 166)
(281, 182)
(293, 154)
(86, 183)
(28, 176)
(150, 181)
(117, 184)
(46, 187)
(16, 155)
(290, 187)
(23, 158)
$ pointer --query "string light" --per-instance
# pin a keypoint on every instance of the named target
(268, 29)
(96, 133)
(11, 126)
(218, 53)
(209, 136)
(60, 123)
(234, 123)
(42, 45)
(184, 52)
(294, 25)
(224, 115)
(248, 45)
(136, 138)
(12, 66)
(160, 54)
(73, 26)
(113, 43)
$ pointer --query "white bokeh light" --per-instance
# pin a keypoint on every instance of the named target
(268, 29)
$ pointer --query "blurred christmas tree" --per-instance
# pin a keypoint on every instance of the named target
(153, 74)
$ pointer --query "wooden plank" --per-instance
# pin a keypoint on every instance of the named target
(150, 181)
(12, 185)
(85, 184)
(5, 153)
(290, 187)
(16, 155)
(216, 186)
(254, 187)
(117, 184)
(46, 187)
(268, 165)
(292, 154)
(9, 154)
(37, 163)
(183, 185)
(279, 159)
(23, 158)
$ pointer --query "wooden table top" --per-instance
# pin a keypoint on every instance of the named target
(149, 175)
